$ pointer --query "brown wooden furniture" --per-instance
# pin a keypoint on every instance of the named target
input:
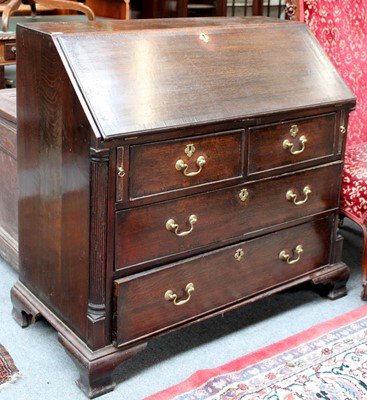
(183, 8)
(118, 9)
(13, 5)
(8, 179)
(8, 51)
(289, 8)
(203, 8)
(27, 9)
(179, 180)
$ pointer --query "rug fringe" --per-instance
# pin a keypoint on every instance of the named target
(12, 380)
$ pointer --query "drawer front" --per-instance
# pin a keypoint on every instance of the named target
(10, 51)
(177, 164)
(149, 232)
(291, 142)
(219, 278)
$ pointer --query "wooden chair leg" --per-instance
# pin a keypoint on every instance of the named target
(364, 261)
(127, 4)
(8, 10)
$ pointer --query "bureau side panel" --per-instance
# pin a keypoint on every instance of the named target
(53, 176)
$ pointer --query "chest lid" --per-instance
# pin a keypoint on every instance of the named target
(143, 80)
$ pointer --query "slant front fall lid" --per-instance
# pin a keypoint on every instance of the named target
(143, 80)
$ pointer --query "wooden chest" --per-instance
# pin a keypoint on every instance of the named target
(170, 171)
(8, 178)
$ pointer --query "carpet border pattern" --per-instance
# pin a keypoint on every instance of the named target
(256, 376)
(8, 371)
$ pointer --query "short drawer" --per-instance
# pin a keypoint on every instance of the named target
(291, 142)
(153, 232)
(217, 279)
(177, 164)
(10, 51)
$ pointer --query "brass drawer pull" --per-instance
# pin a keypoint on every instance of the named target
(287, 145)
(285, 256)
(171, 225)
(170, 296)
(182, 166)
(291, 196)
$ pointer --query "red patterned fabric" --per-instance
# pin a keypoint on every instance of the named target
(341, 28)
(354, 187)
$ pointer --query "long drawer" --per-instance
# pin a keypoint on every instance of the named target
(147, 303)
(175, 227)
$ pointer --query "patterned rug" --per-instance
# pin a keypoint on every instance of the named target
(326, 362)
(8, 370)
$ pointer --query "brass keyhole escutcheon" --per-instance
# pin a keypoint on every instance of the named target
(238, 255)
(190, 150)
(204, 37)
(294, 131)
(244, 194)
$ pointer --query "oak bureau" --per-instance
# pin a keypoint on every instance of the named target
(168, 171)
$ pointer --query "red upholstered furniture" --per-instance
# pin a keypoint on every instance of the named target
(353, 202)
(341, 28)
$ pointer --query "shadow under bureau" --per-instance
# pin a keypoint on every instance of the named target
(168, 171)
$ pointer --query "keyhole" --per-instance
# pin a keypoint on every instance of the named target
(239, 254)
